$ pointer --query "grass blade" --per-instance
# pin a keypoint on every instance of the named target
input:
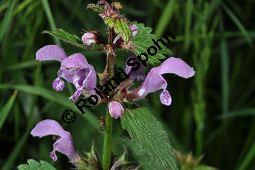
(4, 112)
(166, 17)
(249, 158)
(238, 23)
(239, 113)
(7, 20)
(10, 161)
(52, 96)
(46, 7)
(188, 20)
(224, 73)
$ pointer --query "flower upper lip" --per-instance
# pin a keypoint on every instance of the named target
(64, 142)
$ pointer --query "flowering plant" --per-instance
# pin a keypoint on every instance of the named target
(145, 131)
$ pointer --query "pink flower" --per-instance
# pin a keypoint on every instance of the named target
(74, 69)
(89, 38)
(154, 80)
(64, 143)
(115, 109)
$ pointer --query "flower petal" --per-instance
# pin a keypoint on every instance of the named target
(53, 155)
(76, 60)
(152, 83)
(76, 70)
(176, 66)
(115, 109)
(165, 98)
(154, 80)
(50, 52)
(58, 84)
(76, 94)
(135, 69)
(84, 79)
(88, 77)
(63, 145)
(47, 127)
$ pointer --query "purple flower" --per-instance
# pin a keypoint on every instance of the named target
(64, 143)
(134, 69)
(115, 109)
(89, 38)
(74, 69)
(134, 29)
(154, 80)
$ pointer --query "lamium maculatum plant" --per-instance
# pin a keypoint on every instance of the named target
(145, 133)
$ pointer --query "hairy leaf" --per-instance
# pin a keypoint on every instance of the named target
(32, 165)
(96, 8)
(66, 37)
(151, 142)
(120, 26)
(143, 40)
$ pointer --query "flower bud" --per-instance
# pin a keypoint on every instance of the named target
(134, 29)
(89, 38)
(115, 109)
(58, 84)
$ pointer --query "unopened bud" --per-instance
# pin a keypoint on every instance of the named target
(134, 29)
(90, 38)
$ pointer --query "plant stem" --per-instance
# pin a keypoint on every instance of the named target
(107, 74)
(107, 142)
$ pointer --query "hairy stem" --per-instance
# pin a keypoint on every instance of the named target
(108, 74)
(107, 142)
(110, 61)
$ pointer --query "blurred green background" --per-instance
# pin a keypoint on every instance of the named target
(212, 114)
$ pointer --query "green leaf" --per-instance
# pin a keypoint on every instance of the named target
(143, 40)
(96, 8)
(4, 112)
(150, 140)
(120, 26)
(66, 37)
(32, 165)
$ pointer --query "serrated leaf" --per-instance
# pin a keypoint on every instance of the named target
(143, 40)
(66, 37)
(96, 8)
(120, 26)
(32, 165)
(151, 141)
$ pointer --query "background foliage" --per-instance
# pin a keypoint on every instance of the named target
(212, 114)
